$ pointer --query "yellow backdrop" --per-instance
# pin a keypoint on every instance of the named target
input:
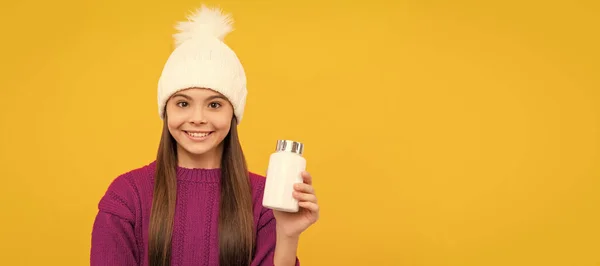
(438, 132)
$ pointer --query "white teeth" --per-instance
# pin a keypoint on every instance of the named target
(197, 135)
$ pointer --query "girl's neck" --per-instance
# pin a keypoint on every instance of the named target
(208, 160)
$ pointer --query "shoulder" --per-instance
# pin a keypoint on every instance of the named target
(129, 181)
(257, 182)
(262, 215)
(123, 194)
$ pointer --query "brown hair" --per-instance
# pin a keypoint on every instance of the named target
(236, 224)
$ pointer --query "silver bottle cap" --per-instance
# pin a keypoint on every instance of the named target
(290, 146)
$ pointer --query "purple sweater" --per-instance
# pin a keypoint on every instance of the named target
(120, 233)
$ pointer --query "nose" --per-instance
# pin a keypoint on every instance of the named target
(197, 116)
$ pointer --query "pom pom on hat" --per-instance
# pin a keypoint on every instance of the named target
(202, 23)
(201, 59)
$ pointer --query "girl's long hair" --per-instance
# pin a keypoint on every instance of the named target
(236, 224)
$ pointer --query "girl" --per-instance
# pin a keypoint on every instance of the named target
(197, 204)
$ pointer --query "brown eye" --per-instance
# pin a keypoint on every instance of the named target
(214, 105)
(182, 104)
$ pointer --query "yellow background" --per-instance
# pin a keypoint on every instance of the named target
(438, 132)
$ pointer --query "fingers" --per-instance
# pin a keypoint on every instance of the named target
(305, 193)
(305, 197)
(307, 178)
(305, 188)
(311, 206)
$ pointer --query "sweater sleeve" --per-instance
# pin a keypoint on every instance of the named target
(266, 239)
(113, 237)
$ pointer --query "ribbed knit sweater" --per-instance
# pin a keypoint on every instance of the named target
(120, 231)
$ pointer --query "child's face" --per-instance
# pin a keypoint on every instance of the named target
(199, 120)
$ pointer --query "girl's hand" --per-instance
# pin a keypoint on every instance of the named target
(293, 224)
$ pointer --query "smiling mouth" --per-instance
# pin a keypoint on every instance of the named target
(197, 134)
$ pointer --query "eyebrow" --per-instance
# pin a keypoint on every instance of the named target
(217, 96)
(182, 95)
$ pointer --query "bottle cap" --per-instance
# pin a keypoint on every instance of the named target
(290, 146)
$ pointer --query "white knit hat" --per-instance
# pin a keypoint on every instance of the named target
(201, 59)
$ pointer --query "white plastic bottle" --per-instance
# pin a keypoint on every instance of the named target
(285, 168)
